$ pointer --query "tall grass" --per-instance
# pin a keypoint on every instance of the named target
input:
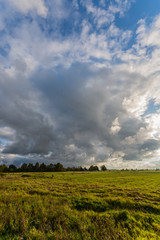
(80, 206)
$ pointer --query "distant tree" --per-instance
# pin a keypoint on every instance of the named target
(103, 168)
(6, 169)
(93, 168)
(36, 167)
(3, 168)
(51, 167)
(69, 169)
(42, 168)
(30, 167)
(80, 168)
(12, 168)
(59, 167)
(96, 168)
(24, 167)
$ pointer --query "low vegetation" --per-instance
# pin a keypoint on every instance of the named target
(108, 205)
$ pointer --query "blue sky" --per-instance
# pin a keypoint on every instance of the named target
(79, 82)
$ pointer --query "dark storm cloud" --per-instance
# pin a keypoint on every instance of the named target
(33, 133)
(137, 151)
(67, 116)
(150, 145)
(83, 104)
(130, 127)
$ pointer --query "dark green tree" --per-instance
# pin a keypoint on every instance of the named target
(103, 168)
(43, 167)
(36, 167)
(24, 167)
(12, 168)
(30, 167)
(3, 168)
(59, 167)
(51, 167)
(93, 168)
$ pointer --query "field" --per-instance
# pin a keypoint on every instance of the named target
(80, 205)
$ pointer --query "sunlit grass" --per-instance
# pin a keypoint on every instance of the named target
(80, 205)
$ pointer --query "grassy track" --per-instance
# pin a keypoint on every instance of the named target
(80, 205)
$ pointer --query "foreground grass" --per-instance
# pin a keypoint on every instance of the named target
(80, 205)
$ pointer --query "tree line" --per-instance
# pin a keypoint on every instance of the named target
(58, 167)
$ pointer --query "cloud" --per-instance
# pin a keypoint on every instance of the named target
(29, 5)
(69, 117)
(115, 126)
(148, 35)
(6, 133)
(78, 95)
(105, 13)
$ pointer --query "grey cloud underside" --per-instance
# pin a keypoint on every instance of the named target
(69, 115)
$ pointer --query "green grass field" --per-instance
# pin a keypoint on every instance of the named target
(80, 205)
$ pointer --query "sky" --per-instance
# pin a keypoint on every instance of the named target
(79, 82)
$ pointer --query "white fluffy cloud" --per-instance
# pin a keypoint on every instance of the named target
(30, 5)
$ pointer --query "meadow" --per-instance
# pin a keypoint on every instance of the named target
(99, 205)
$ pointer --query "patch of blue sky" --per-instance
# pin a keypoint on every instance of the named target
(13, 22)
(97, 60)
(64, 26)
(3, 6)
(150, 50)
(90, 17)
(152, 108)
(68, 28)
(48, 27)
(87, 16)
(4, 50)
(3, 141)
(104, 3)
(140, 9)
